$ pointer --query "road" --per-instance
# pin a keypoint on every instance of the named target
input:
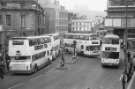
(86, 73)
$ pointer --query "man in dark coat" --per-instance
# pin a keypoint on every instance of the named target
(1, 67)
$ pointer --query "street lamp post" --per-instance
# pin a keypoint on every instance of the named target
(3, 35)
(126, 35)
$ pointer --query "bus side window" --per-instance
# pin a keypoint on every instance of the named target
(87, 48)
(32, 42)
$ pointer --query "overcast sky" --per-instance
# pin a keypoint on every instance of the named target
(94, 5)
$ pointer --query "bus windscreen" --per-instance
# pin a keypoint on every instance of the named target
(113, 55)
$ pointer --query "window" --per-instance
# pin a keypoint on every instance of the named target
(8, 20)
(1, 20)
(22, 57)
(113, 55)
(131, 44)
(18, 43)
(38, 56)
(33, 42)
(82, 46)
(23, 20)
(111, 41)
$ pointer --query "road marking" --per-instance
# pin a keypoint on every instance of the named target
(17, 85)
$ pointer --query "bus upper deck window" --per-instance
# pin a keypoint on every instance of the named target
(33, 42)
(115, 41)
(18, 42)
(22, 57)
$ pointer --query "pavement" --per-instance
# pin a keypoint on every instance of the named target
(85, 73)
(131, 84)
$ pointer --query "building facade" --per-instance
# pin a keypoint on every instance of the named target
(81, 26)
(121, 16)
(21, 18)
(56, 18)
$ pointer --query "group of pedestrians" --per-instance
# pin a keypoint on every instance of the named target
(74, 57)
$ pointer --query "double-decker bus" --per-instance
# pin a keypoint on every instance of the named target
(110, 50)
(92, 48)
(28, 54)
(80, 38)
(55, 39)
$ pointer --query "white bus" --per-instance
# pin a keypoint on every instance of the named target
(55, 39)
(110, 50)
(92, 48)
(80, 38)
(28, 54)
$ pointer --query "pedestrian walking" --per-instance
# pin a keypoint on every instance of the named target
(74, 57)
(7, 61)
(130, 67)
(123, 79)
(62, 61)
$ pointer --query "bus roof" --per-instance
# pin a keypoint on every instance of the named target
(29, 37)
(111, 36)
(79, 33)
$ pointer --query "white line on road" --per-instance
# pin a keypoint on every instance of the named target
(17, 85)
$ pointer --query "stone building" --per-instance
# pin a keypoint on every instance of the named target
(56, 18)
(118, 12)
(82, 26)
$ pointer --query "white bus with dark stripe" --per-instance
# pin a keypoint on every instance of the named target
(110, 50)
(28, 54)
(92, 48)
(80, 38)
